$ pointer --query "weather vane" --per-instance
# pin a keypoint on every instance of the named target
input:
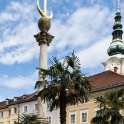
(43, 12)
(118, 4)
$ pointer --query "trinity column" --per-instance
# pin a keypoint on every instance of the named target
(43, 38)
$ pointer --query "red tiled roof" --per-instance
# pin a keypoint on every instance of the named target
(105, 78)
(29, 97)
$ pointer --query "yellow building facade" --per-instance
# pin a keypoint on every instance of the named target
(82, 113)
(9, 114)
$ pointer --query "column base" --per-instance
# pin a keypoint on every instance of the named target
(41, 121)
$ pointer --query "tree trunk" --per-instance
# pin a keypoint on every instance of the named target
(63, 105)
(114, 120)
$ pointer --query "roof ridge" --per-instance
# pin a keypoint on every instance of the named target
(29, 96)
(118, 74)
(105, 72)
(98, 73)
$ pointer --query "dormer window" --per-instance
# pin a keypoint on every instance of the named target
(24, 96)
(7, 101)
(15, 99)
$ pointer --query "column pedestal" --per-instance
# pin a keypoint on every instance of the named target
(41, 121)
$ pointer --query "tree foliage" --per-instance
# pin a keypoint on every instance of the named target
(27, 119)
(110, 105)
(66, 84)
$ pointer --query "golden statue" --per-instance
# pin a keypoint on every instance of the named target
(43, 12)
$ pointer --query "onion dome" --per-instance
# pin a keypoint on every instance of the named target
(117, 45)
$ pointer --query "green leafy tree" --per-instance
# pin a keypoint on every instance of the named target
(27, 119)
(66, 84)
(110, 104)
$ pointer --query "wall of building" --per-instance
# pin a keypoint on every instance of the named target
(31, 110)
(115, 62)
(88, 108)
(54, 116)
(9, 118)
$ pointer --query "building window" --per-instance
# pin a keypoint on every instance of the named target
(35, 106)
(84, 116)
(84, 101)
(49, 119)
(73, 119)
(14, 122)
(15, 110)
(48, 105)
(9, 113)
(1, 114)
(25, 108)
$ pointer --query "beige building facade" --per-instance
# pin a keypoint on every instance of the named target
(9, 114)
(82, 113)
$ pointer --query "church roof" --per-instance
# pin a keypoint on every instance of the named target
(105, 80)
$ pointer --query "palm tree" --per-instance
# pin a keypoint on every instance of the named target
(110, 105)
(66, 84)
(27, 119)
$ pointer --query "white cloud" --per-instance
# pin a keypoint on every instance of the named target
(95, 54)
(2, 98)
(84, 30)
(19, 81)
(17, 43)
(87, 31)
(78, 27)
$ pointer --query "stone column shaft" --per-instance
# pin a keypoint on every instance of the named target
(43, 38)
(43, 65)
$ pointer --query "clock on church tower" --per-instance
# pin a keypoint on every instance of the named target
(112, 63)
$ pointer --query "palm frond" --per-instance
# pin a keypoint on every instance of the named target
(41, 83)
(55, 104)
(49, 93)
(109, 105)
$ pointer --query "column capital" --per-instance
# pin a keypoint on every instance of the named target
(43, 37)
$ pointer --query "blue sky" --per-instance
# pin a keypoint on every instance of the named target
(84, 26)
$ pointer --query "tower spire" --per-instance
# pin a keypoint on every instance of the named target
(118, 5)
(117, 46)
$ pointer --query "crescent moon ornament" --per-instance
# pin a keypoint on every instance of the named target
(43, 12)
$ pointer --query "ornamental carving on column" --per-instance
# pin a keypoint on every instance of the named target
(43, 37)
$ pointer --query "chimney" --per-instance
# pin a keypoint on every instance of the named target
(115, 69)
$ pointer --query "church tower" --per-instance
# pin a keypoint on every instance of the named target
(115, 62)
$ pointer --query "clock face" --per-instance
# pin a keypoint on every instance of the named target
(113, 63)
